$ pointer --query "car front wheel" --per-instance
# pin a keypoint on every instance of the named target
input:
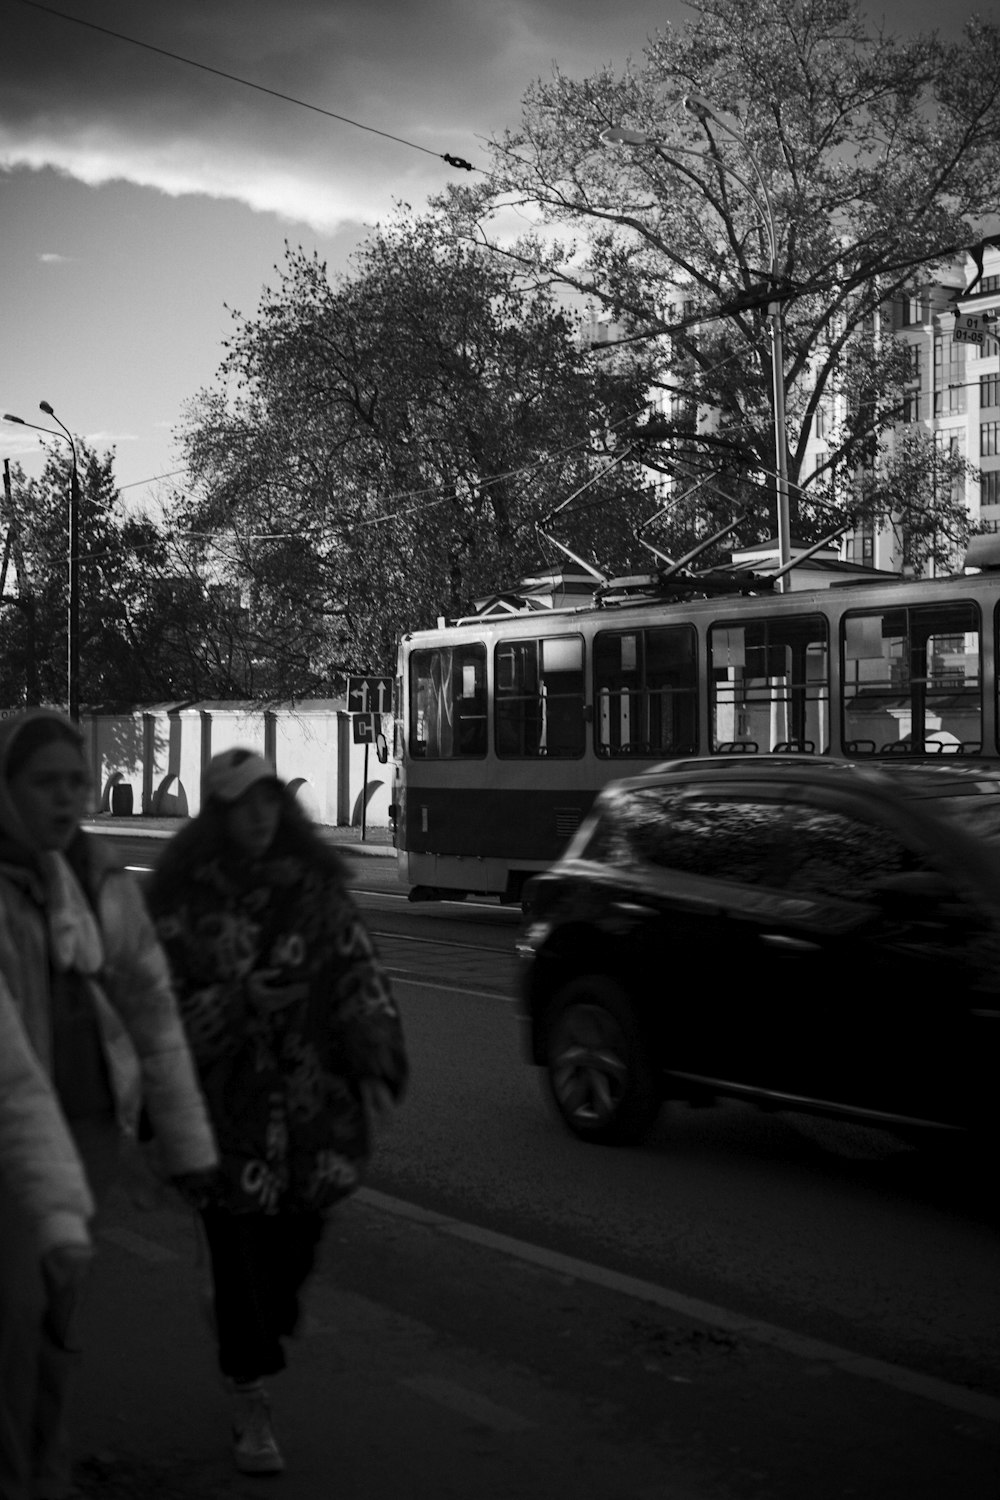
(598, 1069)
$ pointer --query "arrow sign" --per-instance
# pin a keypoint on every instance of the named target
(369, 695)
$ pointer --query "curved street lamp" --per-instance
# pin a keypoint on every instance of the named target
(619, 135)
(73, 620)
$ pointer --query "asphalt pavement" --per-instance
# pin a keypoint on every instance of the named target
(378, 1403)
(440, 1362)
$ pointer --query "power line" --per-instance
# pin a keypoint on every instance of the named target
(453, 161)
(154, 479)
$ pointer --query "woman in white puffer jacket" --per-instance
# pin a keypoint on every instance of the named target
(40, 1169)
(89, 1029)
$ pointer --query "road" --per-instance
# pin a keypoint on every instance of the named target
(735, 1308)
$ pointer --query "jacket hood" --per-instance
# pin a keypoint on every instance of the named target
(14, 837)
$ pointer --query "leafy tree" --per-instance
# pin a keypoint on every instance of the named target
(136, 614)
(379, 447)
(918, 490)
(33, 667)
(877, 158)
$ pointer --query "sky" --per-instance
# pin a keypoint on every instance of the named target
(142, 199)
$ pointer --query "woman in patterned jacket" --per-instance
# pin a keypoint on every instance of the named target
(297, 1042)
(88, 1026)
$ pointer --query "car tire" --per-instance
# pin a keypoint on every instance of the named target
(598, 1071)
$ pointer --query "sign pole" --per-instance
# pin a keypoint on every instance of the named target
(364, 795)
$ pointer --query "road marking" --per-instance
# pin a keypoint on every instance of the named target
(898, 1377)
(402, 976)
(138, 1244)
(468, 1403)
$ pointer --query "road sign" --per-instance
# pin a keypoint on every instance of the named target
(366, 728)
(969, 329)
(369, 695)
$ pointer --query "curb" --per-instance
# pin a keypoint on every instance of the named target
(345, 838)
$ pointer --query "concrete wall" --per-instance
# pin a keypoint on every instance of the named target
(151, 760)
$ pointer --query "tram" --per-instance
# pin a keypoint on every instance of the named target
(508, 724)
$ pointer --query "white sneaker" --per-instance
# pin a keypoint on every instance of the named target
(254, 1448)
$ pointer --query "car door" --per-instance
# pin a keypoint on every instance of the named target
(658, 849)
(902, 949)
(716, 861)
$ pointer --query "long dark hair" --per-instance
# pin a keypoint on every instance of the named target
(205, 838)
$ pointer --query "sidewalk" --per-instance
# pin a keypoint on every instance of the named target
(377, 1402)
(438, 1367)
(377, 841)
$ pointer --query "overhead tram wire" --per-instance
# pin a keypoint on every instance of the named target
(50, 10)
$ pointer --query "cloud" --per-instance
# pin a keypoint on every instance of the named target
(107, 439)
(440, 75)
(100, 109)
(53, 258)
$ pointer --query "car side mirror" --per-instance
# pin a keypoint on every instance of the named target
(381, 748)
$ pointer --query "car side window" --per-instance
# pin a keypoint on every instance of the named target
(807, 850)
(843, 857)
(850, 859)
(720, 838)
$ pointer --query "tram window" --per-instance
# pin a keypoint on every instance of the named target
(770, 682)
(448, 702)
(539, 697)
(646, 691)
(912, 679)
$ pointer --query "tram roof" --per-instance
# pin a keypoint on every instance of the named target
(560, 593)
(629, 595)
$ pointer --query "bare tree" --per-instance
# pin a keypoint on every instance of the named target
(875, 160)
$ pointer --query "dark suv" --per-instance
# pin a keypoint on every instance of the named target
(807, 934)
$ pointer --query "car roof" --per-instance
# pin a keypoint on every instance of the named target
(913, 780)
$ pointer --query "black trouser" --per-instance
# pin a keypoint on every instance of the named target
(259, 1264)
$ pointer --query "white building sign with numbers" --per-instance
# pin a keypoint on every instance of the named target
(969, 329)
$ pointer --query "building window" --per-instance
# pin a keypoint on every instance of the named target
(989, 439)
(913, 353)
(911, 311)
(860, 547)
(989, 488)
(911, 406)
(989, 390)
(952, 445)
(949, 375)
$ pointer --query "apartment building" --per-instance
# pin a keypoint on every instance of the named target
(952, 390)
(951, 335)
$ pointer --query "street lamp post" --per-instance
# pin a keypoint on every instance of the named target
(73, 616)
(619, 135)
